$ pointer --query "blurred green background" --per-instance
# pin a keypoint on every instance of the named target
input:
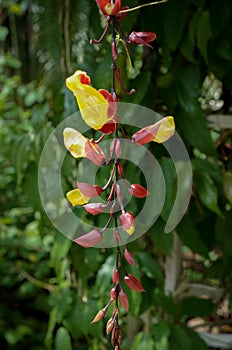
(50, 289)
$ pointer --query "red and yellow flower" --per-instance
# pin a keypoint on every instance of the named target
(97, 107)
(81, 147)
(159, 132)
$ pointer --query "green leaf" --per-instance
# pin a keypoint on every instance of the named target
(4, 31)
(195, 307)
(167, 303)
(150, 267)
(174, 22)
(161, 332)
(204, 33)
(142, 342)
(207, 192)
(227, 185)
(62, 340)
(179, 339)
(223, 233)
(190, 237)
(162, 242)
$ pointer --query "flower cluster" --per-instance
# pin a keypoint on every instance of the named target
(99, 110)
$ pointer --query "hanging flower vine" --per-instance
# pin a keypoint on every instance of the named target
(98, 109)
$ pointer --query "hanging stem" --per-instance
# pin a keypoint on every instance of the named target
(144, 5)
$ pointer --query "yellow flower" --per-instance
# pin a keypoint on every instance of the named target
(92, 104)
(76, 197)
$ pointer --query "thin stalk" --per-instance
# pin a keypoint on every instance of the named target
(144, 5)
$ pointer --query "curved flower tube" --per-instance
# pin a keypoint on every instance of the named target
(159, 132)
(81, 147)
(95, 106)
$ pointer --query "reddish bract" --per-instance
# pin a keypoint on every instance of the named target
(94, 153)
(88, 190)
(124, 300)
(138, 191)
(129, 258)
(94, 208)
(89, 239)
(146, 134)
(127, 222)
(134, 284)
(142, 38)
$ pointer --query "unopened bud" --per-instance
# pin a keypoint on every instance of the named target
(134, 284)
(99, 316)
(129, 258)
(109, 326)
(113, 293)
(116, 276)
(123, 300)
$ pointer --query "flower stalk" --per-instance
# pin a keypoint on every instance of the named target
(98, 109)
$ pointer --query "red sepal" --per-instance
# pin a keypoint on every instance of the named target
(142, 38)
(89, 239)
(134, 284)
(124, 300)
(146, 134)
(129, 258)
(88, 190)
(94, 208)
(116, 276)
(94, 153)
(138, 191)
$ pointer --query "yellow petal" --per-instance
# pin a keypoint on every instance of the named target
(76, 197)
(130, 230)
(93, 106)
(74, 142)
(166, 129)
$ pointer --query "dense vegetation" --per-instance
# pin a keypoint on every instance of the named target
(51, 288)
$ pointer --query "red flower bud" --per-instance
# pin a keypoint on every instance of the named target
(94, 208)
(116, 276)
(94, 153)
(109, 127)
(127, 222)
(116, 147)
(113, 293)
(134, 284)
(138, 191)
(89, 191)
(89, 239)
(142, 38)
(99, 316)
(114, 50)
(124, 300)
(121, 16)
(129, 258)
(120, 170)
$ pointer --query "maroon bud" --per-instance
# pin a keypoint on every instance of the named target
(138, 191)
(89, 191)
(124, 300)
(113, 293)
(116, 148)
(142, 38)
(89, 239)
(114, 50)
(120, 170)
(134, 284)
(116, 276)
(94, 208)
(129, 258)
(94, 153)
